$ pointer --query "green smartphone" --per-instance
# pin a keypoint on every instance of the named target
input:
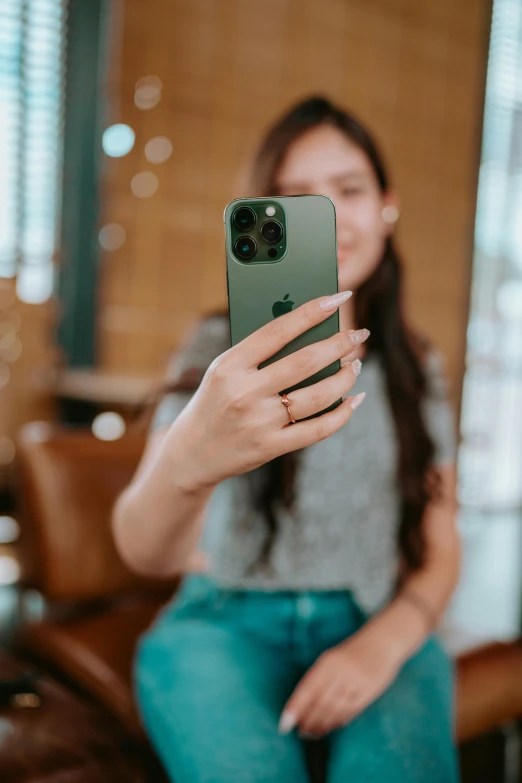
(281, 252)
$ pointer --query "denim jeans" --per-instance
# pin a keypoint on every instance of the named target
(215, 670)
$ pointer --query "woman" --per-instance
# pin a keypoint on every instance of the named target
(333, 549)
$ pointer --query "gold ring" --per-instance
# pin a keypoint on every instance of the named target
(286, 403)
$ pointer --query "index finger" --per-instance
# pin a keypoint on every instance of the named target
(306, 692)
(269, 339)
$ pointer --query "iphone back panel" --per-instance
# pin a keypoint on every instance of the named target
(280, 253)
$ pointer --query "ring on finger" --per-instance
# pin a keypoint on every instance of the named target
(287, 403)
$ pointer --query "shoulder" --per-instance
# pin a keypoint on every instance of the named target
(433, 365)
(435, 369)
(437, 407)
(203, 343)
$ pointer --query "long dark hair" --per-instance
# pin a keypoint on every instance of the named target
(378, 306)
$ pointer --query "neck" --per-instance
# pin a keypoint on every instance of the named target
(347, 321)
(347, 315)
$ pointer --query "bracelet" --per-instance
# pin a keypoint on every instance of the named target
(419, 603)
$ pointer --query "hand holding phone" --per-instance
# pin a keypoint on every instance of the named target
(236, 422)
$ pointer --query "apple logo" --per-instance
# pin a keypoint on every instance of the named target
(280, 308)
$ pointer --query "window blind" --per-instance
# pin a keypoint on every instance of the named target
(32, 57)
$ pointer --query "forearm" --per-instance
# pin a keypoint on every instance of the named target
(424, 594)
(414, 613)
(157, 521)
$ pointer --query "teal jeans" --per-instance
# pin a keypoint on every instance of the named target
(215, 670)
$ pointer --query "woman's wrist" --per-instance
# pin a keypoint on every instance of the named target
(403, 629)
(415, 599)
(184, 471)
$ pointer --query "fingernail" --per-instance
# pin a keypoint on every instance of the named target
(334, 301)
(359, 336)
(358, 400)
(287, 723)
(356, 367)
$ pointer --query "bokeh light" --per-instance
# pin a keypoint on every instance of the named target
(108, 426)
(9, 570)
(147, 93)
(9, 530)
(112, 236)
(7, 450)
(12, 352)
(7, 338)
(158, 150)
(10, 321)
(34, 284)
(144, 184)
(146, 103)
(151, 83)
(118, 140)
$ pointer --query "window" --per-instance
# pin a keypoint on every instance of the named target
(491, 453)
(490, 460)
(32, 44)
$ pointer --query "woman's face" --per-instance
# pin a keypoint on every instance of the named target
(323, 160)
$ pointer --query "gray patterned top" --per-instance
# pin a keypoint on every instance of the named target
(342, 532)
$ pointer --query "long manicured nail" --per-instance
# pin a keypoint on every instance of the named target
(356, 367)
(358, 400)
(359, 336)
(334, 301)
(287, 723)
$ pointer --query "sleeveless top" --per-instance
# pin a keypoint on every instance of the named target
(343, 528)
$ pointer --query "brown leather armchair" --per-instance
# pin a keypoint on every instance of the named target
(97, 608)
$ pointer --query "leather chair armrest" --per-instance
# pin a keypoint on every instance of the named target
(96, 652)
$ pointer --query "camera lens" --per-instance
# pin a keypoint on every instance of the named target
(245, 248)
(244, 218)
(271, 231)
